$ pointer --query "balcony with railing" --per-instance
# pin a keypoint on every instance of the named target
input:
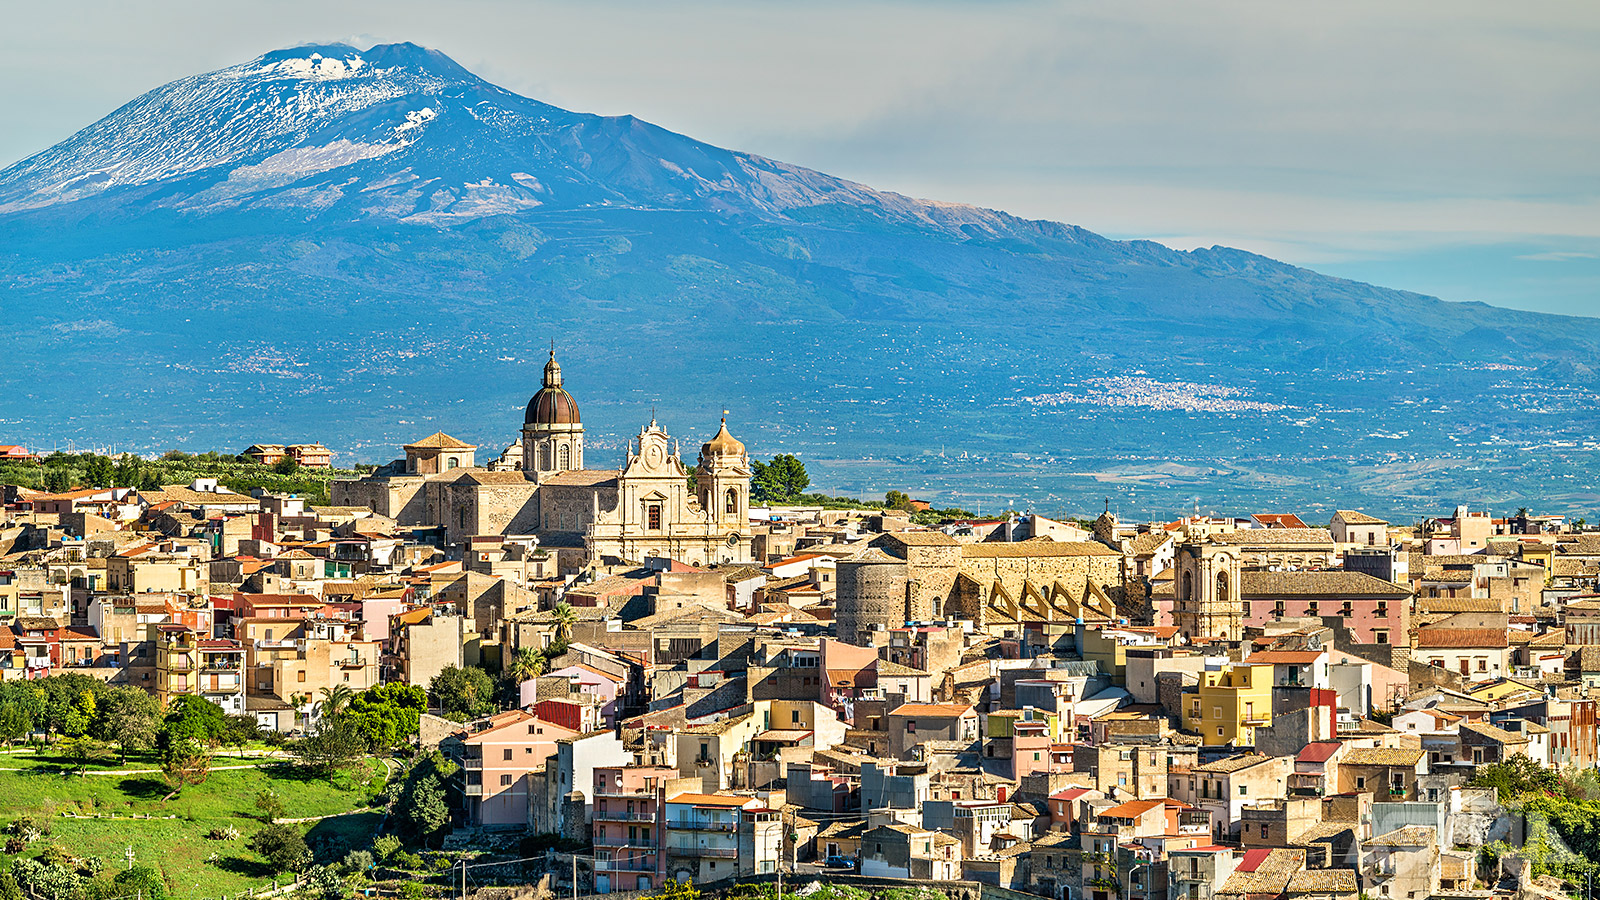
(700, 825)
(627, 795)
(472, 762)
(641, 844)
(626, 865)
(712, 852)
(615, 815)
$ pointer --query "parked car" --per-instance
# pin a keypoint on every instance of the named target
(841, 862)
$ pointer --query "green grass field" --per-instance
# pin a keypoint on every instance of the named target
(196, 866)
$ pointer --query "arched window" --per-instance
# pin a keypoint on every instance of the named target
(451, 463)
(544, 456)
(1186, 589)
(731, 505)
(1222, 587)
(565, 456)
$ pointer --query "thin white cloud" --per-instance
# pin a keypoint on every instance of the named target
(1558, 256)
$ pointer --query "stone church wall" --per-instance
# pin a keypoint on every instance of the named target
(570, 508)
(1074, 572)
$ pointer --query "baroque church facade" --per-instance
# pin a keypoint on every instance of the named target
(644, 508)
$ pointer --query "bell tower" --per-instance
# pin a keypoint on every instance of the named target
(723, 480)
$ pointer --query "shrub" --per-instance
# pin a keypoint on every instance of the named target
(407, 860)
(324, 881)
(357, 861)
(283, 847)
(385, 847)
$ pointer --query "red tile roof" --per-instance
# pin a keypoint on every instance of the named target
(1318, 751)
(1472, 638)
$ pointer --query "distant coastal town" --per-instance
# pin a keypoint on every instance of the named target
(507, 672)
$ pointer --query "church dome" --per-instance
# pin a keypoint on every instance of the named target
(552, 405)
(723, 444)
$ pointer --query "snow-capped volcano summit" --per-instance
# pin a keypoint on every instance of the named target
(403, 132)
(355, 245)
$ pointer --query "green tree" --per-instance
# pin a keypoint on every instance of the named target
(528, 663)
(420, 810)
(336, 744)
(385, 846)
(97, 471)
(335, 699)
(565, 617)
(80, 716)
(81, 750)
(898, 500)
(239, 730)
(387, 716)
(462, 693)
(9, 889)
(285, 466)
(184, 763)
(15, 723)
(129, 471)
(58, 480)
(1515, 777)
(282, 847)
(193, 718)
(63, 702)
(127, 717)
(779, 481)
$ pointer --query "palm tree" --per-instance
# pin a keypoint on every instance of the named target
(565, 616)
(335, 700)
(528, 663)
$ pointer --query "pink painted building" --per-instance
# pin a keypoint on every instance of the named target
(628, 819)
(496, 756)
(1378, 611)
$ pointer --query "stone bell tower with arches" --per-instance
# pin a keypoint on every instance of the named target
(1207, 582)
(723, 480)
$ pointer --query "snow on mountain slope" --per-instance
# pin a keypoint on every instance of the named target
(399, 131)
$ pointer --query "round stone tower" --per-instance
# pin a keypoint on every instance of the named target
(871, 595)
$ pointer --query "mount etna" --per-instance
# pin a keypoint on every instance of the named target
(365, 246)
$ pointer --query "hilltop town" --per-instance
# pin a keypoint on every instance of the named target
(671, 672)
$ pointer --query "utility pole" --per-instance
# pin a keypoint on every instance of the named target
(463, 878)
(574, 875)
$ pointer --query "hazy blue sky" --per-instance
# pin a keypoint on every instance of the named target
(1447, 147)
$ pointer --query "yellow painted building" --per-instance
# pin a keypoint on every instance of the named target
(1002, 723)
(1229, 705)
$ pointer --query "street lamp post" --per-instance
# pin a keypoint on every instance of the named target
(1130, 879)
